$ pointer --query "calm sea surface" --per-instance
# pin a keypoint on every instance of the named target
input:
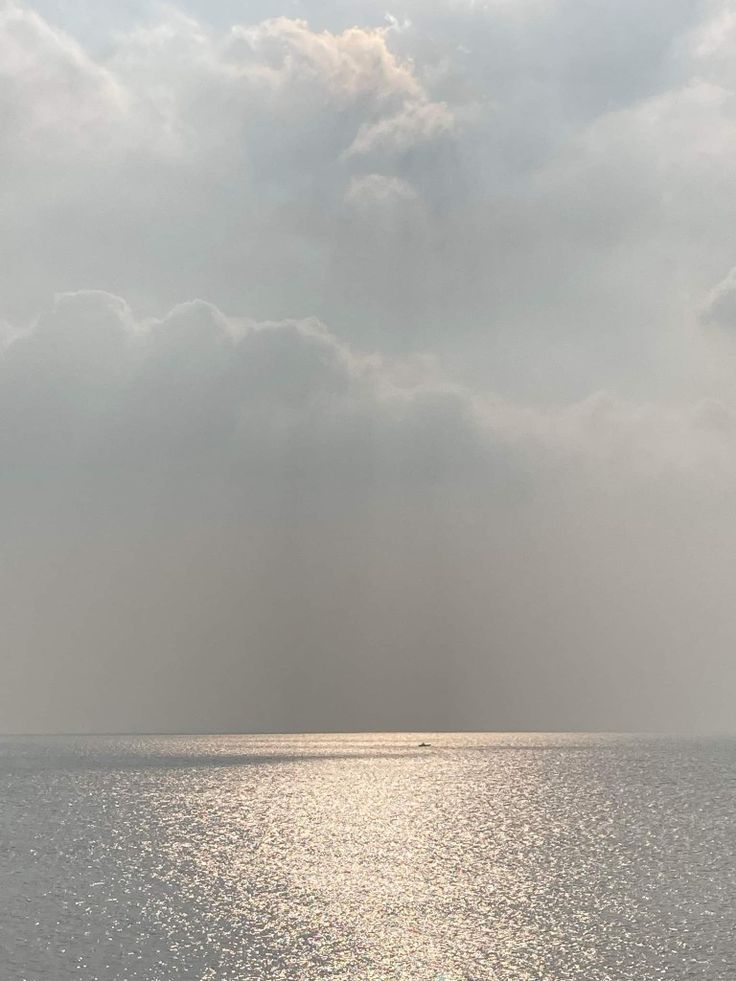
(522, 858)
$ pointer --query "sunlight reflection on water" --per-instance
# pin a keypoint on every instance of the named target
(521, 858)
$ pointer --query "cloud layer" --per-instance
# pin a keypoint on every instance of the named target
(479, 180)
(448, 441)
(214, 523)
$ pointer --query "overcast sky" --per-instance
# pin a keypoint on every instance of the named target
(367, 367)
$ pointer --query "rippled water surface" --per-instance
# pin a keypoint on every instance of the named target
(522, 858)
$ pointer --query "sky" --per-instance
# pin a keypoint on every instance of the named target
(367, 367)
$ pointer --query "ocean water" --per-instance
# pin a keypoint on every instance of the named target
(514, 857)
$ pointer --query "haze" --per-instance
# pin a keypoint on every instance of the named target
(367, 368)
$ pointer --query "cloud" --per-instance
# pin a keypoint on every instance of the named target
(377, 188)
(223, 162)
(190, 155)
(412, 127)
(720, 305)
(90, 381)
(100, 393)
(448, 443)
(53, 92)
(142, 456)
(286, 526)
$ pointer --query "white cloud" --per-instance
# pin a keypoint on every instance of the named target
(413, 126)
(197, 158)
(720, 305)
(55, 99)
(229, 161)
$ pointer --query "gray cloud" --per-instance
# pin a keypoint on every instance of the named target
(214, 523)
(458, 452)
(188, 503)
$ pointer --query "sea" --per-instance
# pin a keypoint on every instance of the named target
(480, 857)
